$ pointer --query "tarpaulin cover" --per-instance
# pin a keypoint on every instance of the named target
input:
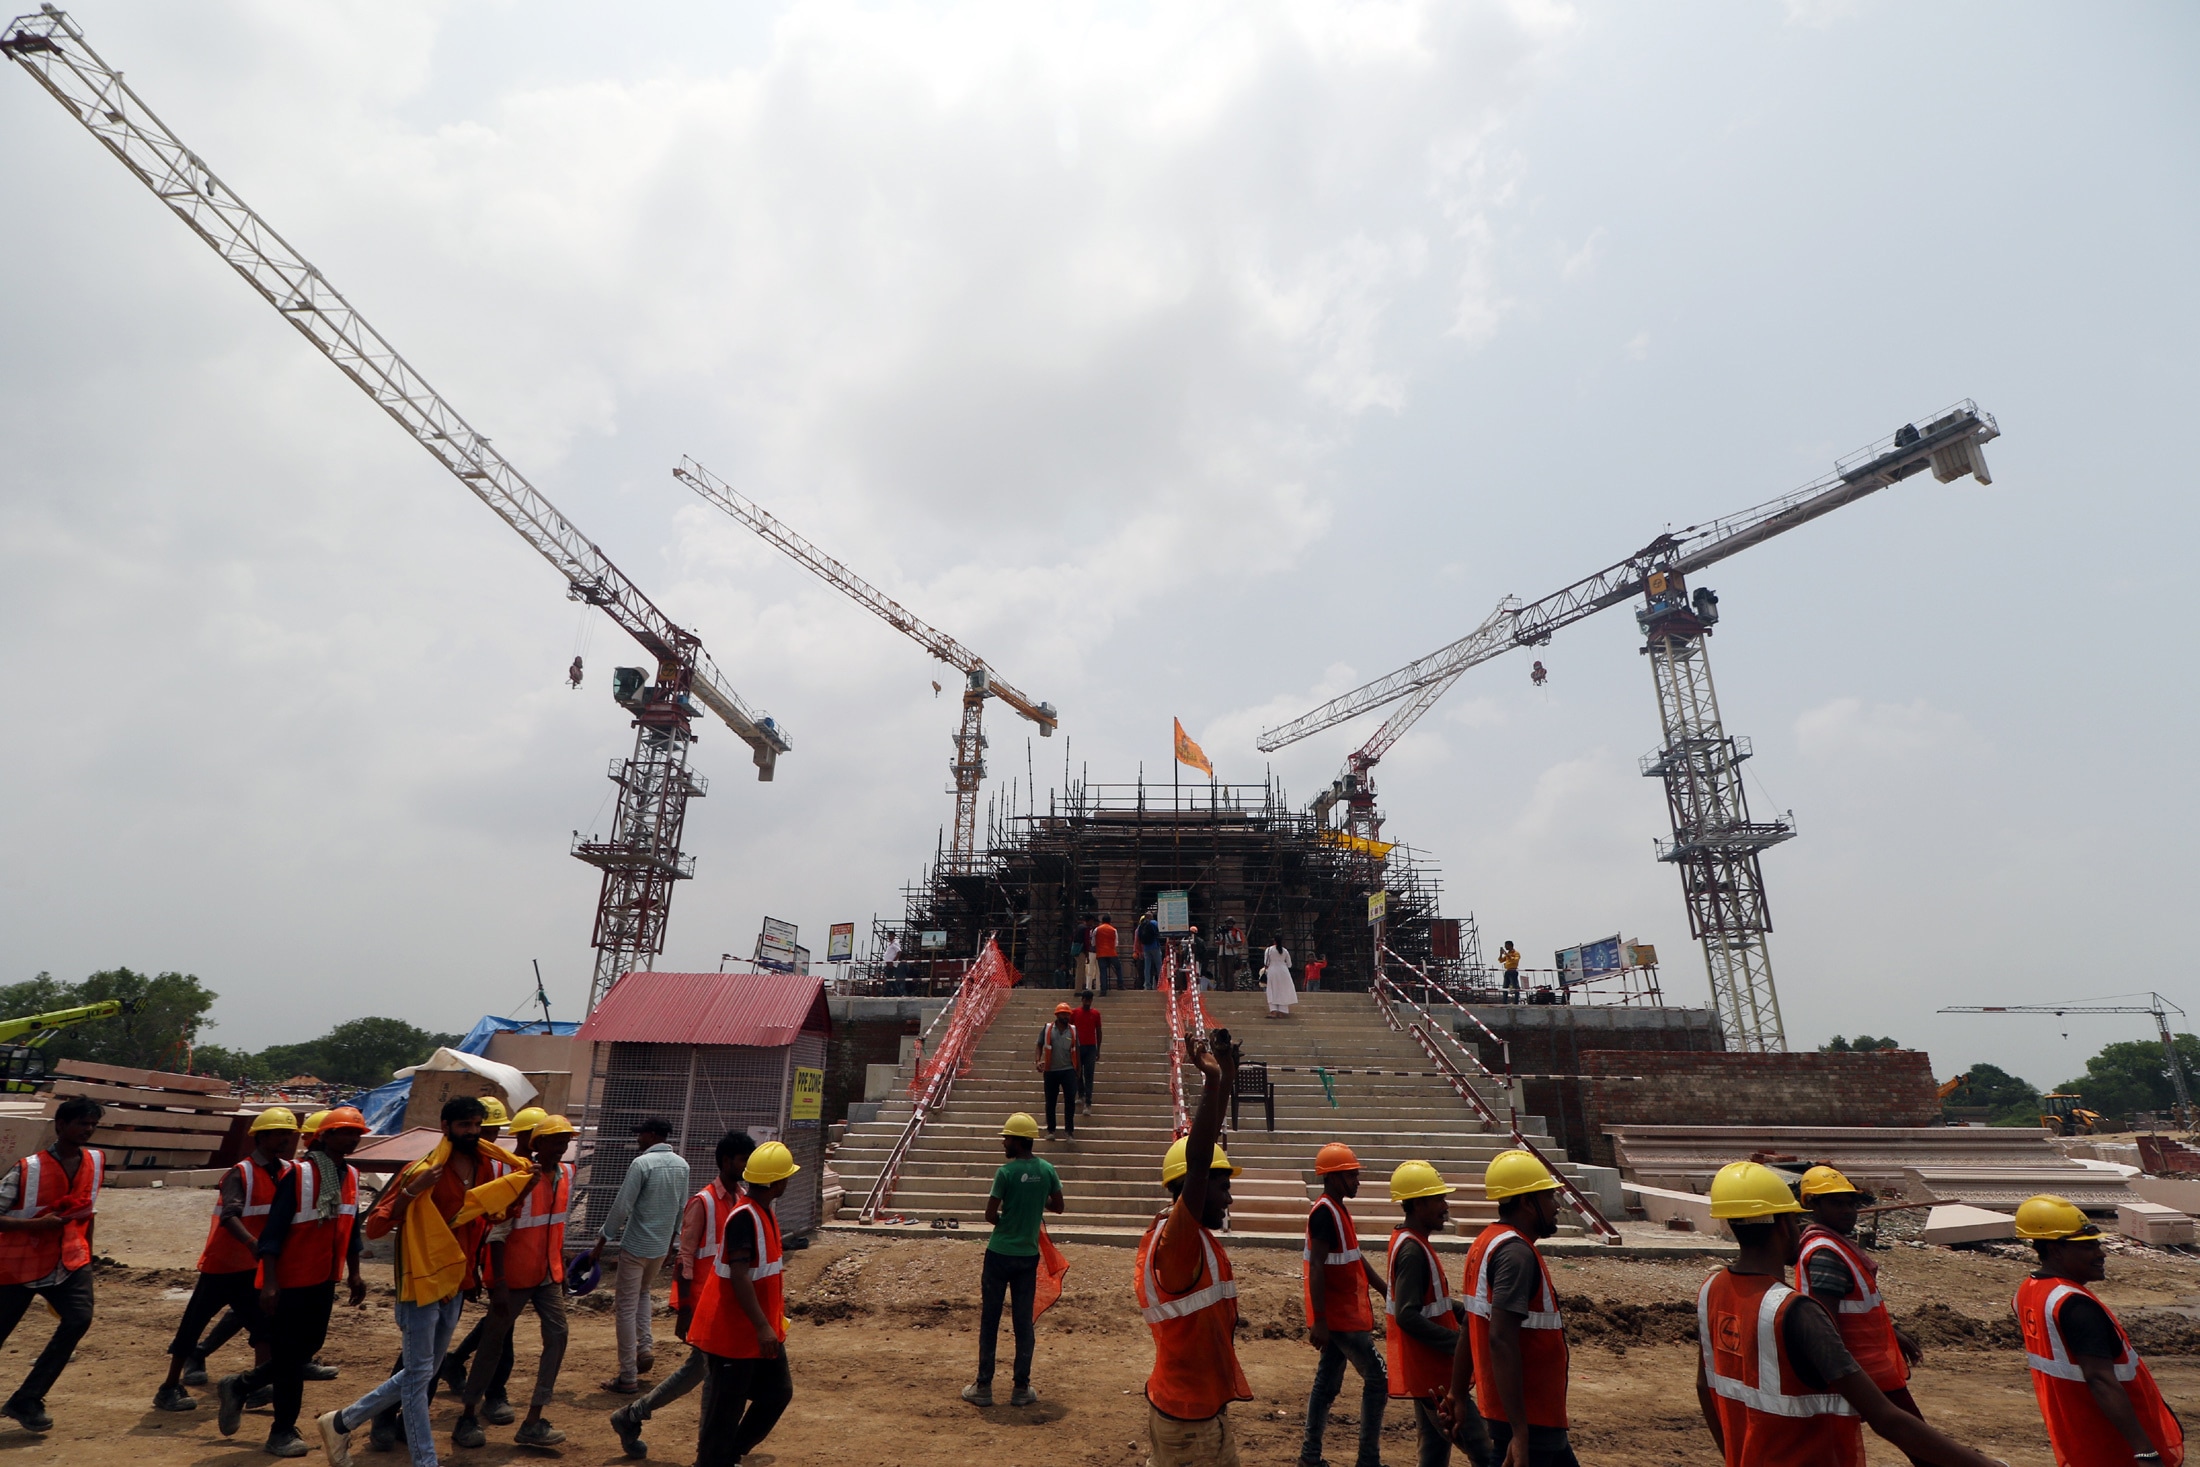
(384, 1105)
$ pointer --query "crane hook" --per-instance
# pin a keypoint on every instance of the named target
(1538, 675)
(573, 673)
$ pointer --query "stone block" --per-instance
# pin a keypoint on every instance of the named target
(2182, 1193)
(2151, 1222)
(1662, 1206)
(879, 1081)
(1955, 1223)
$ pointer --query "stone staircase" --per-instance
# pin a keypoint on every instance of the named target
(1111, 1169)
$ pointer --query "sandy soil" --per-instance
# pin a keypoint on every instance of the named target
(883, 1339)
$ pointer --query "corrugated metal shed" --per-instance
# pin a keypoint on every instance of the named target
(767, 1010)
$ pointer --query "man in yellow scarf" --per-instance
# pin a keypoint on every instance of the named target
(439, 1206)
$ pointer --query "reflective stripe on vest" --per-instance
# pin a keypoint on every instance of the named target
(560, 1188)
(1769, 1399)
(1440, 1307)
(1332, 1260)
(1193, 1302)
(2059, 1364)
(251, 1168)
(309, 1196)
(1544, 1316)
(29, 1182)
(764, 1268)
(1860, 1269)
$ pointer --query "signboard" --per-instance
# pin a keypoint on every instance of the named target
(1173, 912)
(776, 951)
(932, 941)
(1641, 955)
(778, 931)
(802, 961)
(1378, 902)
(1600, 959)
(840, 943)
(809, 1094)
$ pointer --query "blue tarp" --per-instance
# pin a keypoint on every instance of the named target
(384, 1105)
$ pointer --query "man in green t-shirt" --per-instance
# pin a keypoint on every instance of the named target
(1025, 1189)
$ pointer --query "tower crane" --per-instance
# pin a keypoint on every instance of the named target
(979, 680)
(642, 859)
(2158, 1006)
(1715, 842)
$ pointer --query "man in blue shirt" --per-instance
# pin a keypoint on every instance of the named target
(1025, 1189)
(641, 1224)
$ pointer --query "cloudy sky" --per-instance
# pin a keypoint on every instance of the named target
(1185, 360)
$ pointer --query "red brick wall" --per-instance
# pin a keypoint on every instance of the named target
(1888, 1087)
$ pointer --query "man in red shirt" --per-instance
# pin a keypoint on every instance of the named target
(1103, 951)
(1086, 1021)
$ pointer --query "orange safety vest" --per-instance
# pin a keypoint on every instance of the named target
(1866, 1327)
(538, 1233)
(223, 1253)
(1544, 1361)
(1195, 1365)
(720, 1327)
(43, 1188)
(1415, 1369)
(473, 1236)
(1766, 1417)
(1344, 1273)
(716, 1202)
(315, 1248)
(2079, 1433)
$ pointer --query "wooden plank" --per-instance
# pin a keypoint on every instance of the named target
(134, 1142)
(131, 1117)
(158, 1079)
(117, 1095)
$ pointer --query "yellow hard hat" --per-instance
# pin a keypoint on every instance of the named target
(1174, 1165)
(1515, 1174)
(1824, 1181)
(1020, 1124)
(528, 1119)
(2051, 1219)
(313, 1122)
(1748, 1191)
(274, 1118)
(547, 1125)
(769, 1163)
(496, 1114)
(1417, 1179)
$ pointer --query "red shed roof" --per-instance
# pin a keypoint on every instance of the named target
(763, 1009)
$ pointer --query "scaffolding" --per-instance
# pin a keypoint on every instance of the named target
(1241, 852)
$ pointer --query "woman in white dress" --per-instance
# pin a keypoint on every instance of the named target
(1276, 963)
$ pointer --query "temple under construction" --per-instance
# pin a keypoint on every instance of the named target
(1241, 853)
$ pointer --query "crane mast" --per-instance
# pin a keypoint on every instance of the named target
(641, 859)
(2156, 1005)
(979, 681)
(1716, 841)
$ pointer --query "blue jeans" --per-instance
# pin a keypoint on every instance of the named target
(1152, 960)
(1357, 1347)
(1109, 972)
(426, 1330)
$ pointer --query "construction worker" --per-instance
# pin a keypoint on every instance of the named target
(1508, 1386)
(1340, 1322)
(495, 1409)
(741, 1318)
(2096, 1395)
(526, 1268)
(1185, 1289)
(438, 1208)
(1104, 954)
(48, 1202)
(1776, 1385)
(310, 1240)
(1025, 1189)
(1085, 1019)
(1423, 1325)
(1508, 957)
(1835, 1272)
(1055, 1057)
(702, 1225)
(229, 1262)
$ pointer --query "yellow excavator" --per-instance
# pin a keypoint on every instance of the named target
(22, 1064)
(2064, 1114)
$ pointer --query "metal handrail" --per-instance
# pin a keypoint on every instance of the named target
(1504, 1046)
(936, 1091)
(1575, 1197)
(1174, 1060)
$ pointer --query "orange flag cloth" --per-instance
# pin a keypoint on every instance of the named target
(1052, 1265)
(1190, 753)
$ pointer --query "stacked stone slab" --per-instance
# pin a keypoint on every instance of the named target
(1111, 1170)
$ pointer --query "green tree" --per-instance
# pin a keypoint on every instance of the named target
(229, 1064)
(2014, 1100)
(1861, 1044)
(160, 1013)
(2133, 1075)
(365, 1051)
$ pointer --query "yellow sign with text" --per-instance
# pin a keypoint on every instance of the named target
(809, 1094)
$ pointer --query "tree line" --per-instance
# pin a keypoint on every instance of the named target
(164, 1014)
(2128, 1076)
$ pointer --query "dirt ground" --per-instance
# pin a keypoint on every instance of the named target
(883, 1337)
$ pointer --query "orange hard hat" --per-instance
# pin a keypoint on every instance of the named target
(1063, 1008)
(344, 1118)
(1335, 1157)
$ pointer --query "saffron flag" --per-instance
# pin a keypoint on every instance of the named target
(1190, 753)
(1052, 1265)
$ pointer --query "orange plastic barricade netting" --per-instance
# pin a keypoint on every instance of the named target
(984, 989)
